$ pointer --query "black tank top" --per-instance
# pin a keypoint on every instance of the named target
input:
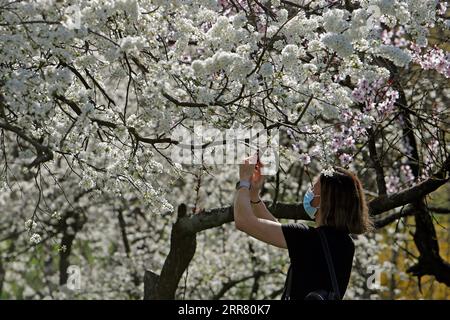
(308, 265)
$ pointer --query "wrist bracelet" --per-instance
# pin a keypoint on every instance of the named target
(243, 184)
(255, 202)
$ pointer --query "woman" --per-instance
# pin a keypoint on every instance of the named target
(338, 206)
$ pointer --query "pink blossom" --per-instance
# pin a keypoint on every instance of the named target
(305, 158)
(392, 184)
(345, 159)
(442, 8)
(407, 174)
(377, 96)
(433, 59)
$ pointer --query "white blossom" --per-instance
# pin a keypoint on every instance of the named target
(35, 238)
(338, 43)
(30, 224)
(398, 56)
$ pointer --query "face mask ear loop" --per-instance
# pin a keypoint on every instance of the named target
(317, 206)
(315, 195)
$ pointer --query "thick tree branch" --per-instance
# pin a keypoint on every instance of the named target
(182, 250)
(67, 242)
(406, 212)
(377, 163)
(385, 203)
(44, 153)
(216, 217)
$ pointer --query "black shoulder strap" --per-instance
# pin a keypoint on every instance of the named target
(287, 290)
(328, 257)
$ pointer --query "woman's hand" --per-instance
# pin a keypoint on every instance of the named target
(257, 181)
(247, 169)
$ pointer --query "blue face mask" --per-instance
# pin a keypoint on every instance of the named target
(308, 197)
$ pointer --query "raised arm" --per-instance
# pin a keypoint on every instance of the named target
(244, 218)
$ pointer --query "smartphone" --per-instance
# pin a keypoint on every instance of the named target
(258, 162)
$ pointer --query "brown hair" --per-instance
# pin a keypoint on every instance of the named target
(343, 203)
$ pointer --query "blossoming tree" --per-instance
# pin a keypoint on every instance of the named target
(90, 92)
